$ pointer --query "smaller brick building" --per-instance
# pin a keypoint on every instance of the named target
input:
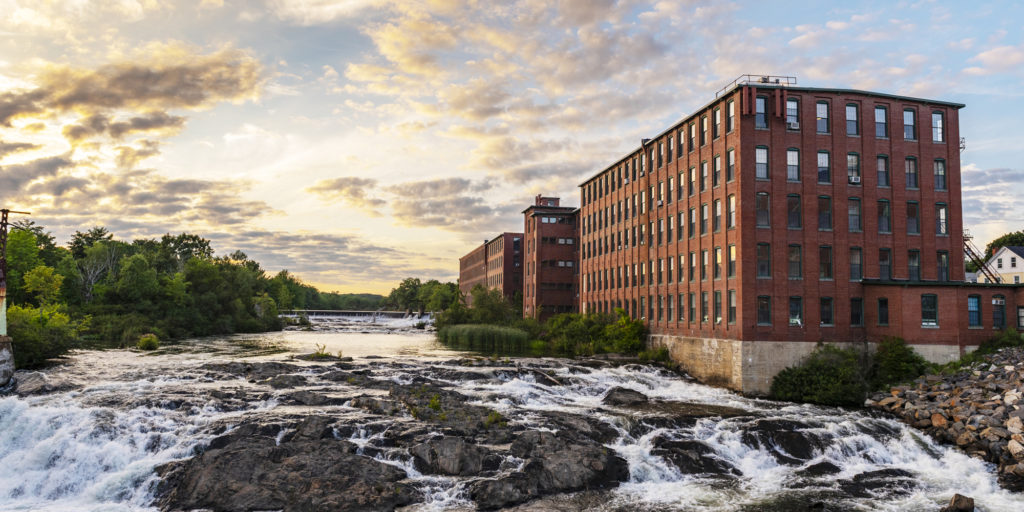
(551, 277)
(496, 264)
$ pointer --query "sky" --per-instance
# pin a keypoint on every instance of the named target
(356, 143)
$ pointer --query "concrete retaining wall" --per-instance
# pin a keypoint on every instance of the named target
(749, 366)
(6, 360)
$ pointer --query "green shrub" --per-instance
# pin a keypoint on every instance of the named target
(829, 376)
(148, 342)
(659, 355)
(895, 362)
(41, 333)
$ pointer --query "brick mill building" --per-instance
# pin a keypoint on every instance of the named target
(778, 216)
(772, 218)
(496, 264)
(552, 259)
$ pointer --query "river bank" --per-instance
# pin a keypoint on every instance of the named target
(243, 422)
(979, 409)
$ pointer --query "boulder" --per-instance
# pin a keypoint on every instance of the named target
(452, 456)
(694, 458)
(624, 397)
(286, 381)
(959, 503)
(250, 471)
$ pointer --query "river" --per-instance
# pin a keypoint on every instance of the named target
(93, 441)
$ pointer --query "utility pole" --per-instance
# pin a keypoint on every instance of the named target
(6, 347)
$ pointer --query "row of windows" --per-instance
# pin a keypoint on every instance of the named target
(664, 308)
(661, 230)
(854, 214)
(823, 125)
(795, 266)
(663, 151)
(998, 311)
(826, 311)
(853, 168)
(663, 270)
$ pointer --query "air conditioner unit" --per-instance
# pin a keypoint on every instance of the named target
(999, 302)
(855, 179)
(793, 125)
(659, 203)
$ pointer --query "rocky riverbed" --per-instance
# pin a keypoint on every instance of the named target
(247, 424)
(979, 409)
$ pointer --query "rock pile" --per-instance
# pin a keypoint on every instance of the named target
(980, 409)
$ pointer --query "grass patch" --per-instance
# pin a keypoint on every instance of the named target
(148, 342)
(489, 339)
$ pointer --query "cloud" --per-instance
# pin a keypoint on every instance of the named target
(170, 76)
(128, 156)
(316, 12)
(443, 187)
(999, 59)
(350, 190)
(14, 177)
(7, 148)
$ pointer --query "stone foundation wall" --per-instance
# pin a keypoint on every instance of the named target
(749, 366)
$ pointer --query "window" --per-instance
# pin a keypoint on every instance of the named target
(794, 216)
(792, 114)
(716, 221)
(732, 307)
(913, 218)
(911, 171)
(943, 266)
(929, 310)
(730, 165)
(693, 307)
(764, 310)
(731, 265)
(914, 265)
(718, 263)
(761, 205)
(730, 212)
(909, 126)
(764, 260)
(693, 180)
(795, 261)
(825, 262)
(851, 120)
(1020, 317)
(822, 117)
(881, 122)
(941, 226)
(884, 217)
(703, 307)
(716, 125)
(940, 175)
(730, 115)
(974, 310)
(824, 174)
(718, 306)
(761, 162)
(704, 218)
(825, 213)
(716, 175)
(856, 267)
(793, 164)
(998, 312)
(693, 265)
(671, 187)
(691, 137)
(760, 117)
(796, 311)
(853, 168)
(883, 311)
(693, 222)
(885, 264)
(826, 311)
(853, 214)
(671, 149)
(883, 171)
(856, 311)
(703, 265)
(938, 135)
(703, 130)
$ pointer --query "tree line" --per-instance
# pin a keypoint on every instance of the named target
(100, 291)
